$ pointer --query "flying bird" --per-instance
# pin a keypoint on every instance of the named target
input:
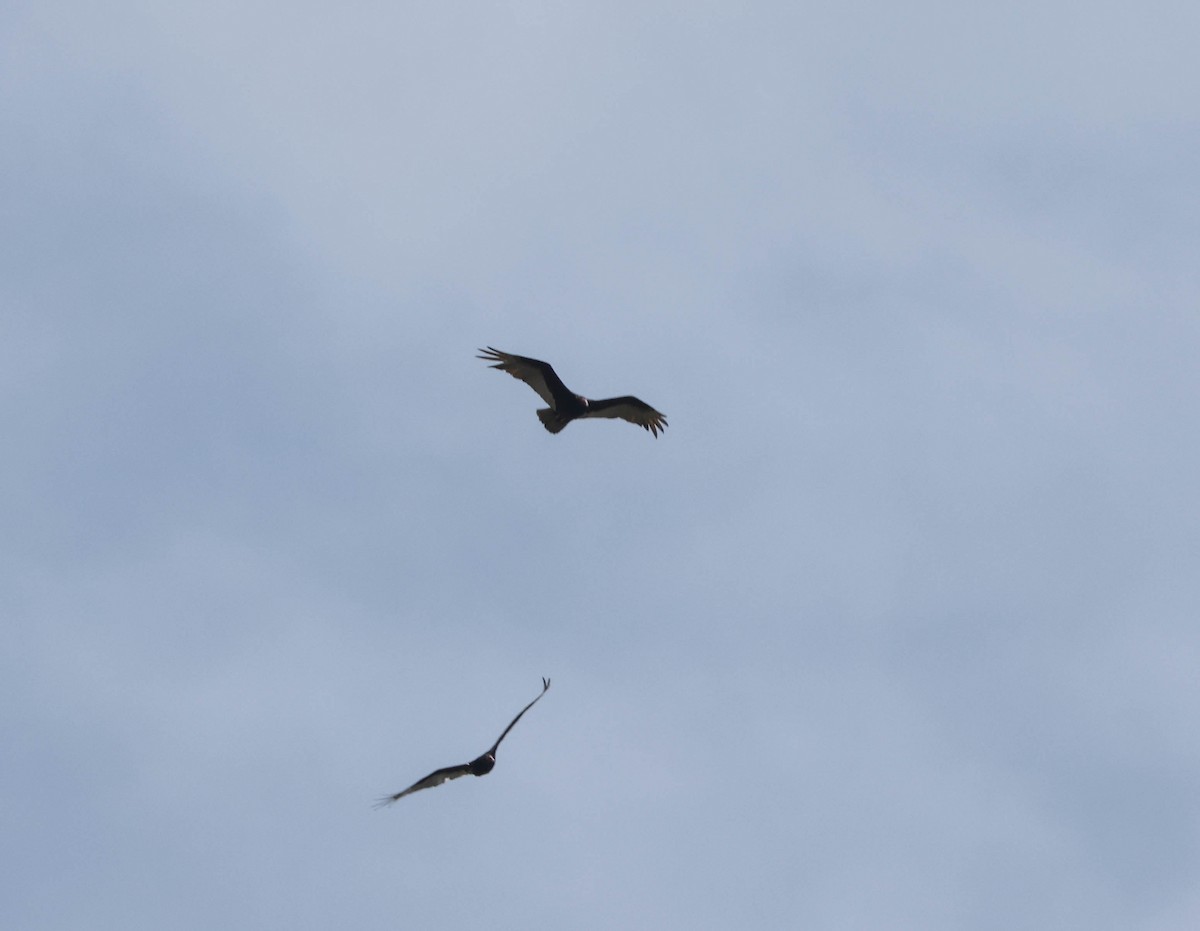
(480, 766)
(565, 405)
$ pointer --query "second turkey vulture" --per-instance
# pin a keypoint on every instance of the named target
(565, 405)
(480, 766)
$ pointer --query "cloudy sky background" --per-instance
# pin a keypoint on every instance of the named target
(896, 627)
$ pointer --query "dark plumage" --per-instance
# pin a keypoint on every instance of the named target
(565, 405)
(480, 766)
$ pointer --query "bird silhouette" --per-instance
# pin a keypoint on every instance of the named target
(565, 405)
(480, 766)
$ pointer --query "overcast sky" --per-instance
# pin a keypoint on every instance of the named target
(895, 628)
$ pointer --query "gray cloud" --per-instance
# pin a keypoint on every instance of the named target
(893, 628)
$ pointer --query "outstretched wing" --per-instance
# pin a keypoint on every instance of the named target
(496, 745)
(433, 779)
(536, 374)
(631, 409)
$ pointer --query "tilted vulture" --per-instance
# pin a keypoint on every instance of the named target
(480, 766)
(565, 405)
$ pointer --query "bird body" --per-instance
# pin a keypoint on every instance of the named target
(480, 766)
(566, 405)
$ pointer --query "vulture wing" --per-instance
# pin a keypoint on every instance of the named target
(536, 374)
(435, 778)
(631, 409)
(496, 745)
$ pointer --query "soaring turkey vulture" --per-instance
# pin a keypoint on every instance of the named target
(480, 766)
(565, 405)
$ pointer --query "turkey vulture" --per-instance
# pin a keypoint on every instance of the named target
(565, 405)
(480, 766)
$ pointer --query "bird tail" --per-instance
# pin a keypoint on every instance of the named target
(552, 420)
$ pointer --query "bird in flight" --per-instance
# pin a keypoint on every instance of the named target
(565, 405)
(480, 766)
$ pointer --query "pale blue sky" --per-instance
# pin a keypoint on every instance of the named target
(896, 627)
